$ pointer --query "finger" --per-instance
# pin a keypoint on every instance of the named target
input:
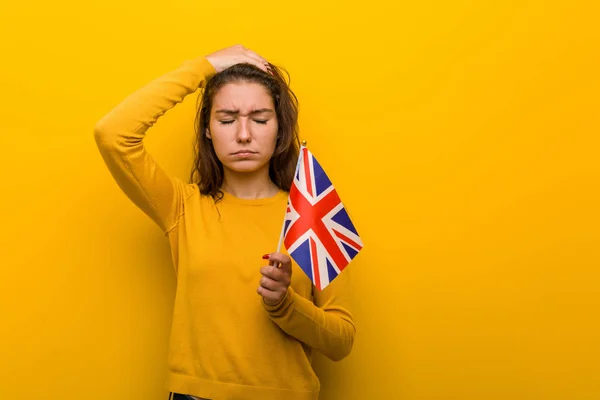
(257, 56)
(275, 274)
(271, 262)
(266, 257)
(269, 284)
(257, 60)
(284, 261)
(269, 295)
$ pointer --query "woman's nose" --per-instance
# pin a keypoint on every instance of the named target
(243, 134)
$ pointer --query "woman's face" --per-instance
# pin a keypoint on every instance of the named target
(243, 126)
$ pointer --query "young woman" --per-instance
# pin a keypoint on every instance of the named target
(241, 329)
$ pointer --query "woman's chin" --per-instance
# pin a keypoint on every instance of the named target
(245, 166)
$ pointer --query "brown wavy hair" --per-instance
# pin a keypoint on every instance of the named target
(207, 170)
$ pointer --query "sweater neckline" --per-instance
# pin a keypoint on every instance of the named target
(231, 199)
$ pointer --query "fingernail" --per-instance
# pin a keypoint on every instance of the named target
(266, 256)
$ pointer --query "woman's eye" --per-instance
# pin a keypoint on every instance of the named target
(226, 122)
(261, 121)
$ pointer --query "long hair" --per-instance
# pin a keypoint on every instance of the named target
(207, 170)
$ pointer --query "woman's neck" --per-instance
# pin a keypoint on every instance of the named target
(249, 185)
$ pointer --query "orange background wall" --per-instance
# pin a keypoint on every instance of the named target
(463, 137)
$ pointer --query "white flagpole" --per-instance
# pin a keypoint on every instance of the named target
(283, 225)
(281, 236)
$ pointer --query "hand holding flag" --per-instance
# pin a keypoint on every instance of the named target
(275, 279)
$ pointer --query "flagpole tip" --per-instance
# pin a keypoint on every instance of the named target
(304, 143)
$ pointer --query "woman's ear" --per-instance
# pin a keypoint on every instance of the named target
(207, 133)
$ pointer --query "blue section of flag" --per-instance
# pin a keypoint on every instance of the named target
(331, 271)
(302, 257)
(322, 182)
(350, 250)
(343, 219)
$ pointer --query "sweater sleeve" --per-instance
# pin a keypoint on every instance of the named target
(119, 136)
(325, 324)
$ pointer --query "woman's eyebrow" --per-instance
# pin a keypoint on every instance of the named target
(236, 112)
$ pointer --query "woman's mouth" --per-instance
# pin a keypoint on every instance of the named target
(244, 153)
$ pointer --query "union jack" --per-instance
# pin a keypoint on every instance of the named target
(318, 232)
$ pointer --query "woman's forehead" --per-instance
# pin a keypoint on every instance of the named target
(243, 93)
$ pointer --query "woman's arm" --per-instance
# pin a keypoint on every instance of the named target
(326, 325)
(120, 133)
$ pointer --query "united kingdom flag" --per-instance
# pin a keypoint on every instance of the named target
(318, 232)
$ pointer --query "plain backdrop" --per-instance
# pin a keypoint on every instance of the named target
(461, 135)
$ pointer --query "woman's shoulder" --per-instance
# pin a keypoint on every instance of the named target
(191, 191)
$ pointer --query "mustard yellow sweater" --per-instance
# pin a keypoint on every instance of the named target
(225, 343)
